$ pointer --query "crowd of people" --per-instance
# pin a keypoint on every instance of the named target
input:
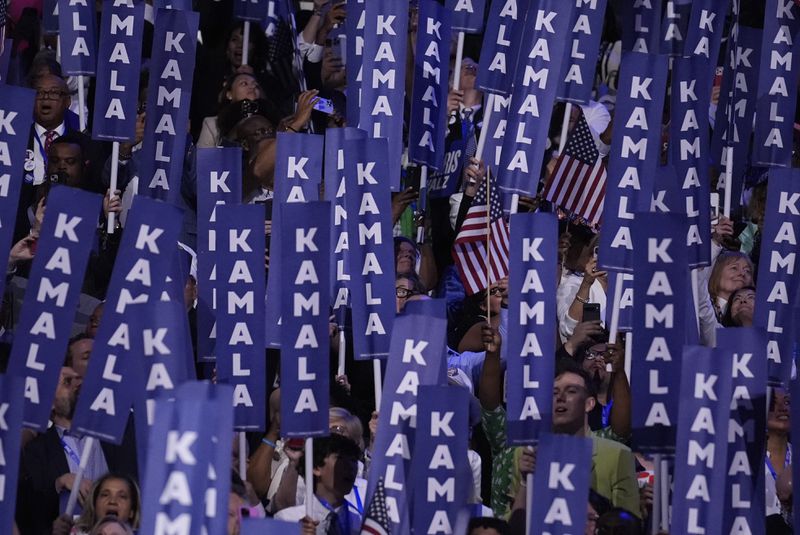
(246, 105)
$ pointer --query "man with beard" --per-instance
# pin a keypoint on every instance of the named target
(49, 462)
(611, 416)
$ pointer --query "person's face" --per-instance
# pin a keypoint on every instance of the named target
(779, 419)
(405, 257)
(571, 402)
(66, 393)
(244, 87)
(735, 274)
(234, 50)
(252, 131)
(112, 528)
(469, 70)
(594, 363)
(52, 100)
(591, 521)
(495, 298)
(189, 292)
(80, 352)
(94, 321)
(66, 158)
(114, 499)
(403, 289)
(235, 504)
(742, 307)
(337, 475)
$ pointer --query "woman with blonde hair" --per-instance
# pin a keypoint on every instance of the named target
(732, 271)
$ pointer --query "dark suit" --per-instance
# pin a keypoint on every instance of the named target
(43, 461)
(96, 153)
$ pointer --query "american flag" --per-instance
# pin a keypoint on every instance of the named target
(578, 182)
(469, 248)
(376, 522)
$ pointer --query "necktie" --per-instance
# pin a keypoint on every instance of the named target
(470, 143)
(333, 525)
(49, 136)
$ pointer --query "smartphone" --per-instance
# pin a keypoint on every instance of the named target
(591, 312)
(325, 105)
(714, 208)
(339, 48)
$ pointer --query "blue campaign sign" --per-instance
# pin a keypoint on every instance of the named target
(382, 87)
(778, 282)
(113, 382)
(119, 59)
(369, 223)
(181, 454)
(468, 15)
(538, 77)
(305, 303)
(418, 344)
(772, 142)
(219, 181)
(168, 99)
(54, 288)
(77, 29)
(659, 287)
(533, 257)
(11, 409)
(587, 28)
(16, 115)
(689, 151)
(428, 127)
(298, 174)
(498, 60)
(701, 452)
(635, 150)
(560, 484)
(241, 274)
(439, 475)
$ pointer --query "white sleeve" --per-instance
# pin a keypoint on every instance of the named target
(475, 465)
(311, 51)
(565, 295)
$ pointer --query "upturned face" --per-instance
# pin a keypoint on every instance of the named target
(571, 402)
(736, 274)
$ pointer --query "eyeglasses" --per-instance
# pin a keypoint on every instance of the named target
(402, 293)
(594, 355)
(50, 94)
(496, 291)
(338, 430)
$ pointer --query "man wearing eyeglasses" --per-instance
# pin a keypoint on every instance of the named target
(49, 110)
(50, 122)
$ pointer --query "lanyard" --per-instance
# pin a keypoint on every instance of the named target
(69, 451)
(359, 505)
(342, 518)
(607, 412)
(787, 461)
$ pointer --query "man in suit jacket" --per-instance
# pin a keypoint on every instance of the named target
(51, 120)
(49, 462)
